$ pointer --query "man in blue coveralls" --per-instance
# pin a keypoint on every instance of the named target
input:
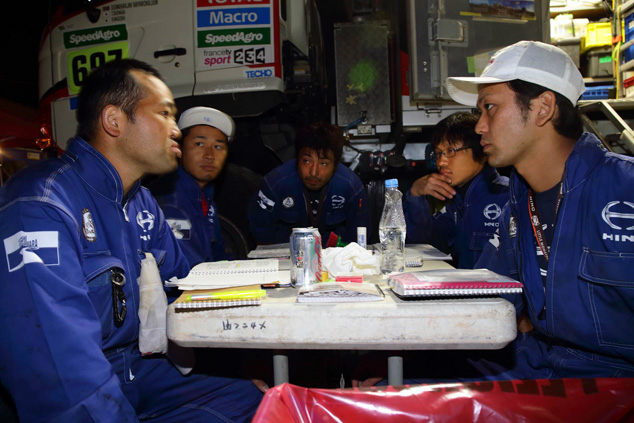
(567, 230)
(187, 195)
(312, 190)
(475, 192)
(80, 227)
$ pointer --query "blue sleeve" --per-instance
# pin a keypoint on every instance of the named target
(182, 235)
(51, 333)
(438, 230)
(263, 221)
(417, 219)
(173, 262)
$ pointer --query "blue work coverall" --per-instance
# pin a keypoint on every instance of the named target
(198, 235)
(585, 312)
(464, 225)
(68, 228)
(280, 206)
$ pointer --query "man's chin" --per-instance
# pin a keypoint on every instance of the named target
(313, 187)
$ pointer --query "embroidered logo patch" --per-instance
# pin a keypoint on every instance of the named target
(32, 247)
(338, 201)
(265, 202)
(624, 216)
(182, 228)
(88, 226)
(145, 220)
(512, 227)
(288, 202)
(211, 213)
(492, 211)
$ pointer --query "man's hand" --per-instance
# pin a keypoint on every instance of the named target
(260, 384)
(434, 184)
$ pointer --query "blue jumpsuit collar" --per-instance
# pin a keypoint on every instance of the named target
(582, 161)
(191, 187)
(96, 170)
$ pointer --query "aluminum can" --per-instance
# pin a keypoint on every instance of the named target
(305, 246)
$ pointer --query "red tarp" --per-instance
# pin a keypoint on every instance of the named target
(544, 401)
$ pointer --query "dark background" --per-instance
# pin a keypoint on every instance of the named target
(21, 25)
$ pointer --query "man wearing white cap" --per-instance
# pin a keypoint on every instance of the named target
(187, 196)
(568, 230)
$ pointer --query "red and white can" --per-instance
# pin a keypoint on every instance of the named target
(305, 246)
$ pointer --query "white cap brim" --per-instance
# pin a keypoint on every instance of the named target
(464, 90)
(210, 117)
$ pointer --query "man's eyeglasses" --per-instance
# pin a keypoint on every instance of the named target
(447, 153)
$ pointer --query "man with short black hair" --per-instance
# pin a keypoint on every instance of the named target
(474, 193)
(312, 190)
(187, 195)
(566, 232)
(81, 225)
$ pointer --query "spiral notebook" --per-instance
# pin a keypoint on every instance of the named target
(452, 282)
(221, 274)
(249, 295)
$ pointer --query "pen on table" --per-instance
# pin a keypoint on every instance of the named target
(228, 295)
(275, 285)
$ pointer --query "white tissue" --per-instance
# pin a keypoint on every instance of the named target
(351, 259)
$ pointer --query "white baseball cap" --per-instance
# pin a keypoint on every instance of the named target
(531, 61)
(210, 117)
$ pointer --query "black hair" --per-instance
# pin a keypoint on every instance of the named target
(458, 130)
(110, 84)
(321, 137)
(568, 123)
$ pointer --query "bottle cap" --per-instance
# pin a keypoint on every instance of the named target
(391, 183)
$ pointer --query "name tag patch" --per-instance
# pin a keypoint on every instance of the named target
(32, 247)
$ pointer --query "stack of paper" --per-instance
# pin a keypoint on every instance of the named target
(271, 251)
(424, 251)
(250, 295)
(339, 292)
(224, 274)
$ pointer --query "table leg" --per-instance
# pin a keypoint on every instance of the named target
(395, 370)
(280, 369)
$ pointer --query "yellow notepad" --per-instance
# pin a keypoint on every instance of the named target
(249, 295)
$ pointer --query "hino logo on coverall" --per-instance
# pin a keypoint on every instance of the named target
(612, 215)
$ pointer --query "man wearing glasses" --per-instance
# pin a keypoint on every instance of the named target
(474, 193)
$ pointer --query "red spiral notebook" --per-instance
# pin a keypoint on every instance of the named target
(452, 282)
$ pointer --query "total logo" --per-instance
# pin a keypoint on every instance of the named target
(619, 216)
(259, 73)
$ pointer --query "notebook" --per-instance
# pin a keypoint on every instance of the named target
(282, 250)
(452, 282)
(222, 274)
(250, 295)
(340, 292)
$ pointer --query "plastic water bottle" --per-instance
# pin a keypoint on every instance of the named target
(392, 229)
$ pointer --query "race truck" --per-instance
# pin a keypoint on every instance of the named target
(259, 61)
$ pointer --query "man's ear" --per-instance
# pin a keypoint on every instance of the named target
(112, 119)
(546, 106)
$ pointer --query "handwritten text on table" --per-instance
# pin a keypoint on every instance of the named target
(227, 325)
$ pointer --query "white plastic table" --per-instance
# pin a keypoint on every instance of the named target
(393, 324)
